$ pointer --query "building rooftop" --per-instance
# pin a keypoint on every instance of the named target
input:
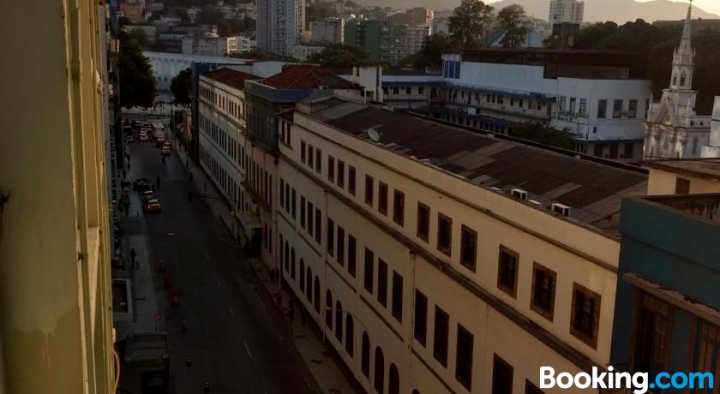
(703, 168)
(592, 189)
(231, 77)
(704, 206)
(307, 76)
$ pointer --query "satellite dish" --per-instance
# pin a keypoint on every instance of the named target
(374, 134)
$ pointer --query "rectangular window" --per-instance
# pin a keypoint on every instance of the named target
(502, 380)
(468, 247)
(617, 109)
(310, 218)
(318, 161)
(440, 337)
(341, 174)
(632, 109)
(572, 105)
(351, 180)
(318, 226)
(331, 169)
(628, 154)
(302, 151)
(352, 255)
(340, 245)
(397, 296)
(653, 332)
(444, 235)
(399, 207)
(585, 317)
(530, 388)
(382, 198)
(369, 269)
(464, 357)
(507, 271)
(282, 193)
(330, 236)
(369, 190)
(311, 156)
(563, 100)
(302, 211)
(293, 203)
(543, 291)
(382, 282)
(420, 328)
(423, 221)
(682, 186)
(602, 109)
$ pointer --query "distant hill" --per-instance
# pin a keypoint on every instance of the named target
(619, 11)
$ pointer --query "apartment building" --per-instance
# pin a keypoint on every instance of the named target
(329, 31)
(600, 98)
(280, 24)
(383, 40)
(56, 328)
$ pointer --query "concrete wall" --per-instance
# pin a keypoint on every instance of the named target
(663, 183)
(55, 292)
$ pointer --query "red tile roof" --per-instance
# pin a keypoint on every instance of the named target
(307, 76)
(231, 77)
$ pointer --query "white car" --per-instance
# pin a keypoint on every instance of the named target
(144, 136)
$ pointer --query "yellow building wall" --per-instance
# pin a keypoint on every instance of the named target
(55, 299)
(663, 183)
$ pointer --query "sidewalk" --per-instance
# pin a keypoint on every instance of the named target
(328, 375)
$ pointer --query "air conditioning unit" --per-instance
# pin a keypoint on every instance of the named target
(535, 203)
(519, 193)
(496, 189)
(560, 209)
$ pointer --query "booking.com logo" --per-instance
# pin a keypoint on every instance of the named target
(639, 382)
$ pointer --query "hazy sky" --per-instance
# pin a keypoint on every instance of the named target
(712, 6)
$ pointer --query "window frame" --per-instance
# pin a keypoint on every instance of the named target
(440, 345)
(399, 207)
(467, 231)
(512, 292)
(550, 312)
(383, 191)
(369, 190)
(447, 250)
(576, 332)
(426, 236)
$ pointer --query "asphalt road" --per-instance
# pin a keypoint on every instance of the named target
(231, 337)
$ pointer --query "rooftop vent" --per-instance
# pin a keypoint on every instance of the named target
(519, 193)
(560, 209)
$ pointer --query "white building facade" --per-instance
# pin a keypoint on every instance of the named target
(303, 52)
(415, 37)
(566, 11)
(329, 31)
(603, 107)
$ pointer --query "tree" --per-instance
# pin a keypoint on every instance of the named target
(210, 16)
(469, 23)
(137, 83)
(259, 54)
(516, 24)
(139, 36)
(181, 86)
(342, 56)
(430, 55)
(543, 134)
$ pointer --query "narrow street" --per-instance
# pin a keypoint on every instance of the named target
(232, 339)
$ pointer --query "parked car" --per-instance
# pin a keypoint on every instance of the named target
(148, 195)
(153, 206)
(129, 138)
(138, 183)
(144, 136)
(165, 149)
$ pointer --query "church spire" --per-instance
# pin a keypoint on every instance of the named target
(683, 57)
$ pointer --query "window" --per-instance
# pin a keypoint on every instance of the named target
(351, 180)
(318, 160)
(572, 105)
(369, 188)
(632, 109)
(341, 174)
(293, 203)
(310, 218)
(382, 282)
(530, 388)
(302, 211)
(420, 328)
(328, 309)
(349, 335)
(502, 380)
(468, 247)
(382, 198)
(397, 296)
(408, 90)
(682, 186)
(617, 109)
(602, 109)
(464, 357)
(311, 156)
(628, 150)
(365, 355)
(352, 255)
(331, 169)
(508, 271)
(338, 321)
(585, 315)
(399, 207)
(396, 90)
(340, 245)
(369, 262)
(330, 236)
(563, 100)
(653, 333)
(379, 383)
(302, 152)
(318, 226)
(440, 339)
(394, 380)
(543, 291)
(423, 221)
(444, 237)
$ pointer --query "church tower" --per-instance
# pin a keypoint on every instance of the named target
(681, 94)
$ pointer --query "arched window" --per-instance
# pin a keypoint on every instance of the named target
(674, 79)
(365, 355)
(393, 380)
(316, 298)
(292, 263)
(379, 382)
(308, 278)
(416, 391)
(302, 275)
(683, 78)
(338, 321)
(328, 309)
(282, 249)
(349, 335)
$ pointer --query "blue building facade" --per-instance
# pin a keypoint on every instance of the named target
(667, 310)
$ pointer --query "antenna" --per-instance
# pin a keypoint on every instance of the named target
(374, 134)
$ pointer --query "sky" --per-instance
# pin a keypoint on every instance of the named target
(712, 6)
